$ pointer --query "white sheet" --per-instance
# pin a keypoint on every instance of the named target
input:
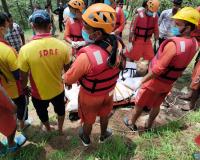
(123, 90)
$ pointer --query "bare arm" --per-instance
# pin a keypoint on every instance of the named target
(148, 77)
(24, 79)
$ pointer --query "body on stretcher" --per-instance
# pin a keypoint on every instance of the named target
(124, 91)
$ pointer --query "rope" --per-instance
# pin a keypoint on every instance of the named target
(173, 102)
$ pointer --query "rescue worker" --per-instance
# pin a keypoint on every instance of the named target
(97, 69)
(172, 58)
(143, 26)
(8, 125)
(44, 58)
(9, 74)
(120, 17)
(74, 25)
(166, 22)
(195, 84)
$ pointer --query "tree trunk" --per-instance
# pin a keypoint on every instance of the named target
(20, 13)
(5, 6)
(31, 5)
(49, 2)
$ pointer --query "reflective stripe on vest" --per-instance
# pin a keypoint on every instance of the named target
(186, 49)
(145, 25)
(102, 79)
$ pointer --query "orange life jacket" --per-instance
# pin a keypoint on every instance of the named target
(102, 78)
(145, 24)
(75, 30)
(185, 51)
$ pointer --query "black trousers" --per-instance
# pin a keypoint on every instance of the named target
(41, 106)
(22, 108)
(61, 26)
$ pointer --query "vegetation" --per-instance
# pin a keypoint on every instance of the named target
(22, 9)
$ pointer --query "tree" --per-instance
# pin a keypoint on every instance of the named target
(49, 2)
(31, 5)
(5, 6)
(20, 13)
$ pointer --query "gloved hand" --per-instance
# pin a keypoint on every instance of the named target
(74, 44)
(129, 46)
(78, 44)
(81, 43)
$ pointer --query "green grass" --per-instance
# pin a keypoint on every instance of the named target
(118, 148)
(58, 154)
(171, 142)
(194, 117)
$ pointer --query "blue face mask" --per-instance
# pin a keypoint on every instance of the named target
(175, 31)
(71, 15)
(86, 37)
(83, 11)
(149, 13)
(107, 2)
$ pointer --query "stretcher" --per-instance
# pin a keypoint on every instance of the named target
(124, 91)
(124, 95)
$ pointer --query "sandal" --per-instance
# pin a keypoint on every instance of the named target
(130, 126)
(19, 140)
(27, 123)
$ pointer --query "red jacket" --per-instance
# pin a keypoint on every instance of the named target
(185, 50)
(145, 25)
(74, 30)
(102, 79)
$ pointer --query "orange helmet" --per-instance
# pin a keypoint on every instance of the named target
(77, 4)
(153, 5)
(100, 15)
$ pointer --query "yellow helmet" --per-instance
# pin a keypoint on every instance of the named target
(188, 14)
(77, 4)
(100, 15)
